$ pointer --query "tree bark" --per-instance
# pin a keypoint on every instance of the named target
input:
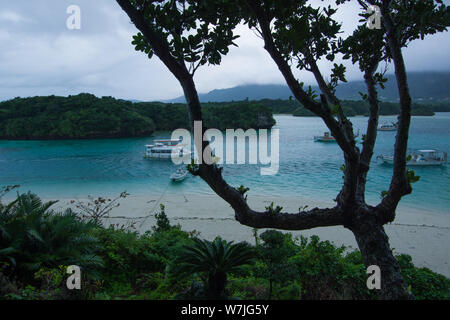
(399, 184)
(374, 246)
(216, 285)
(270, 289)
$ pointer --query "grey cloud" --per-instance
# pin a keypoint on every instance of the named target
(40, 56)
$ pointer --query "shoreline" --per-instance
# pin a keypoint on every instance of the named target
(421, 234)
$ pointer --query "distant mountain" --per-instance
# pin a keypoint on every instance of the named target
(423, 86)
(239, 93)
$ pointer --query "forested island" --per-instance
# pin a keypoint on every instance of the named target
(353, 108)
(86, 116)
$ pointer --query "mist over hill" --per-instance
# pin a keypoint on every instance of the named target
(430, 86)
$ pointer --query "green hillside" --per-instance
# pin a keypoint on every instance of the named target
(86, 116)
(354, 108)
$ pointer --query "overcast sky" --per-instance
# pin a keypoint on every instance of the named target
(39, 55)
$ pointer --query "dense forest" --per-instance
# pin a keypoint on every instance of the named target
(219, 115)
(86, 116)
(353, 108)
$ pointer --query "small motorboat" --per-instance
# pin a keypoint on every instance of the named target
(327, 137)
(179, 175)
(420, 158)
(388, 127)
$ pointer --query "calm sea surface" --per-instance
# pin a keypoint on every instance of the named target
(77, 168)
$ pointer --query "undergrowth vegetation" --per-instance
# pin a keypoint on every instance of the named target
(37, 244)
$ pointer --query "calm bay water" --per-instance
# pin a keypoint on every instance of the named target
(77, 168)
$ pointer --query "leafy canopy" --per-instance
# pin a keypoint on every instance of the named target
(176, 23)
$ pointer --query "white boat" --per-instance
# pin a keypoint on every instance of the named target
(325, 138)
(388, 127)
(420, 158)
(179, 175)
(166, 149)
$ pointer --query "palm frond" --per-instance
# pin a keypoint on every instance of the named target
(218, 255)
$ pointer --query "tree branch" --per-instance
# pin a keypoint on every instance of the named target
(372, 122)
(372, 127)
(211, 174)
(298, 221)
(347, 125)
(399, 183)
(159, 45)
(319, 109)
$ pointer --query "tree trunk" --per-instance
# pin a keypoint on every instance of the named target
(375, 249)
(270, 288)
(216, 285)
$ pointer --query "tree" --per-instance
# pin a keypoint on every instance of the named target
(162, 222)
(187, 34)
(98, 209)
(274, 252)
(215, 258)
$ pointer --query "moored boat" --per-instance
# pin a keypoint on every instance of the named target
(325, 138)
(420, 158)
(166, 149)
(388, 127)
(179, 175)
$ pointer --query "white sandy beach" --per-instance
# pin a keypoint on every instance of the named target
(423, 235)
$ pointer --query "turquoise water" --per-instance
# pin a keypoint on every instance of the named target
(77, 168)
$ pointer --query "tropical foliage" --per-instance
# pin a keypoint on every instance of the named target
(37, 244)
(86, 116)
(32, 236)
(274, 252)
(81, 116)
(215, 259)
(223, 115)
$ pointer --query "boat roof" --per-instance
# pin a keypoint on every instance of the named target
(427, 151)
(168, 140)
(161, 146)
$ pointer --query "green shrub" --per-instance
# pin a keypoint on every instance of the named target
(136, 264)
(33, 237)
(326, 272)
(424, 283)
(127, 254)
(37, 244)
(290, 291)
(274, 253)
(248, 288)
(162, 222)
(168, 244)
